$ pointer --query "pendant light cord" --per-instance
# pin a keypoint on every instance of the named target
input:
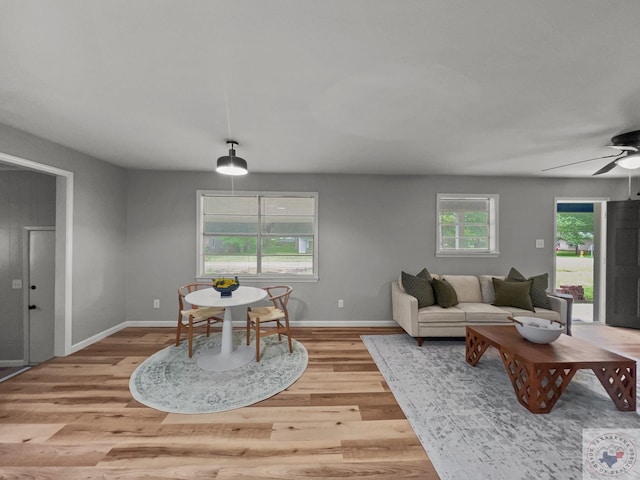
(226, 108)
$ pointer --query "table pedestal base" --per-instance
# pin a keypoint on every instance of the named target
(228, 357)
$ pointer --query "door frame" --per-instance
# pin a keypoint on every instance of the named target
(26, 283)
(64, 248)
(600, 255)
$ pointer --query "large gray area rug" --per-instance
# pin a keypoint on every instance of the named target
(469, 420)
(172, 382)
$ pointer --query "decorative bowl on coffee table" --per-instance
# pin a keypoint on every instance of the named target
(538, 330)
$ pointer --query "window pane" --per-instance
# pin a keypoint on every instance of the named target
(228, 245)
(229, 264)
(293, 225)
(447, 217)
(231, 205)
(288, 206)
(291, 265)
(464, 205)
(287, 245)
(476, 217)
(448, 242)
(464, 243)
(230, 224)
(473, 243)
(448, 231)
(476, 231)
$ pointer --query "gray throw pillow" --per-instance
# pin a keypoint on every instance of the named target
(419, 286)
(538, 288)
(513, 294)
(446, 295)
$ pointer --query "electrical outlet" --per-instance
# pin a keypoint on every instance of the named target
(340, 303)
(156, 303)
(16, 284)
(540, 243)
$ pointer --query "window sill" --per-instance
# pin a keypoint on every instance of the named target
(468, 254)
(266, 279)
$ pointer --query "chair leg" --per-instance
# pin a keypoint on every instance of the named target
(257, 340)
(208, 327)
(286, 321)
(248, 330)
(190, 337)
(178, 330)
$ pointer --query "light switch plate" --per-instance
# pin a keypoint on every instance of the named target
(540, 243)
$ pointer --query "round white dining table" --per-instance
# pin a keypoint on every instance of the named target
(229, 356)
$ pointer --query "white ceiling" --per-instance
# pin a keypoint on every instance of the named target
(506, 87)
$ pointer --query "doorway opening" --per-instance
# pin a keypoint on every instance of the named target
(63, 249)
(580, 233)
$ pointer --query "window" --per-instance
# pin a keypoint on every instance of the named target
(467, 225)
(257, 235)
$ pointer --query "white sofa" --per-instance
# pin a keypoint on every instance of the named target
(475, 296)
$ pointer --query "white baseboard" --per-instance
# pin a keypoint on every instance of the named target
(97, 337)
(171, 323)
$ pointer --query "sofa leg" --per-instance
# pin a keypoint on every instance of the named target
(419, 341)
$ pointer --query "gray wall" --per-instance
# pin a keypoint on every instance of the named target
(26, 199)
(370, 228)
(99, 230)
(134, 233)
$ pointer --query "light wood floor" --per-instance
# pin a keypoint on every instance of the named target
(74, 418)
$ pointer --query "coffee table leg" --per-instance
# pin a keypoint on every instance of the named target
(537, 388)
(620, 384)
(476, 346)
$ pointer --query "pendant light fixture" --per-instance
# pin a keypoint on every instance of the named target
(230, 164)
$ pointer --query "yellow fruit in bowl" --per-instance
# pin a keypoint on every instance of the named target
(225, 285)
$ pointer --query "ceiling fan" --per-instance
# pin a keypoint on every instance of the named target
(629, 157)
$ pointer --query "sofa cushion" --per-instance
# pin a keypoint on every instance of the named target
(445, 293)
(484, 312)
(467, 287)
(513, 294)
(538, 288)
(437, 314)
(419, 286)
(486, 287)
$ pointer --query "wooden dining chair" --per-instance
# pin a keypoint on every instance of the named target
(259, 316)
(190, 316)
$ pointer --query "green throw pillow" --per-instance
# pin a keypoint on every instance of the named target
(419, 286)
(513, 294)
(445, 293)
(538, 288)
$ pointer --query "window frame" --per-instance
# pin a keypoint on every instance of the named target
(492, 226)
(201, 195)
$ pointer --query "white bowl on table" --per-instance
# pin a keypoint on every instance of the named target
(538, 330)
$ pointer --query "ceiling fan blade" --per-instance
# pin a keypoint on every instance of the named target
(583, 161)
(609, 166)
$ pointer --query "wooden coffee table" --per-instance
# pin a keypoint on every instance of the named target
(540, 373)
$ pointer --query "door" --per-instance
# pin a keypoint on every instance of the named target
(41, 295)
(623, 264)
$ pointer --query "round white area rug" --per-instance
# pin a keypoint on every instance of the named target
(172, 382)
